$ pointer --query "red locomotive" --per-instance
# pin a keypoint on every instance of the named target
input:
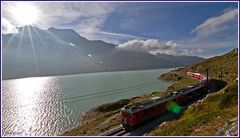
(134, 115)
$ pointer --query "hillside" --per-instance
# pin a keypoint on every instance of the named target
(223, 67)
(37, 52)
(217, 113)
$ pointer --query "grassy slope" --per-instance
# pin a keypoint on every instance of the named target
(218, 111)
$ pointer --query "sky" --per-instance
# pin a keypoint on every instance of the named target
(175, 28)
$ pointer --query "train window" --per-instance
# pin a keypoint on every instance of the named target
(126, 107)
(149, 110)
(133, 108)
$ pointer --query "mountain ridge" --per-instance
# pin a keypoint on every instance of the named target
(35, 52)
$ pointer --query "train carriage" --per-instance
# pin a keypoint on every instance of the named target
(134, 115)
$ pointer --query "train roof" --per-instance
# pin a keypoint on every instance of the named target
(158, 100)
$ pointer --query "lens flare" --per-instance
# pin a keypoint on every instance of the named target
(173, 107)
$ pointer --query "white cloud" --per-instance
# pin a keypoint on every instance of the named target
(216, 35)
(217, 24)
(7, 27)
(209, 47)
(154, 47)
(87, 16)
(171, 43)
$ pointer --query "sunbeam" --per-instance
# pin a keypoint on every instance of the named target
(91, 61)
(34, 51)
(60, 40)
(38, 35)
(20, 42)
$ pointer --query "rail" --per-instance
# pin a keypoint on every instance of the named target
(117, 131)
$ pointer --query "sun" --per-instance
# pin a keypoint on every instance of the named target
(25, 14)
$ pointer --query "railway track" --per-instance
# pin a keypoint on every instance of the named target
(117, 131)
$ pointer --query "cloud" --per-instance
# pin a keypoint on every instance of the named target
(154, 47)
(217, 24)
(87, 16)
(79, 16)
(7, 27)
(216, 35)
(171, 43)
(212, 47)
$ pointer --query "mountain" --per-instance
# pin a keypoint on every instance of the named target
(36, 52)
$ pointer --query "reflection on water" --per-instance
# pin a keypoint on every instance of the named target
(23, 105)
(52, 105)
(29, 90)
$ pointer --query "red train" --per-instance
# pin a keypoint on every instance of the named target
(196, 75)
(134, 115)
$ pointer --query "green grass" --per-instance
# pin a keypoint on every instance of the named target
(230, 97)
(186, 126)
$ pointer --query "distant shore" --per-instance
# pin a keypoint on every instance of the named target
(76, 73)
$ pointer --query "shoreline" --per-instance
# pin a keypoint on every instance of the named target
(70, 74)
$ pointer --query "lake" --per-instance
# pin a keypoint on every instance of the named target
(47, 106)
